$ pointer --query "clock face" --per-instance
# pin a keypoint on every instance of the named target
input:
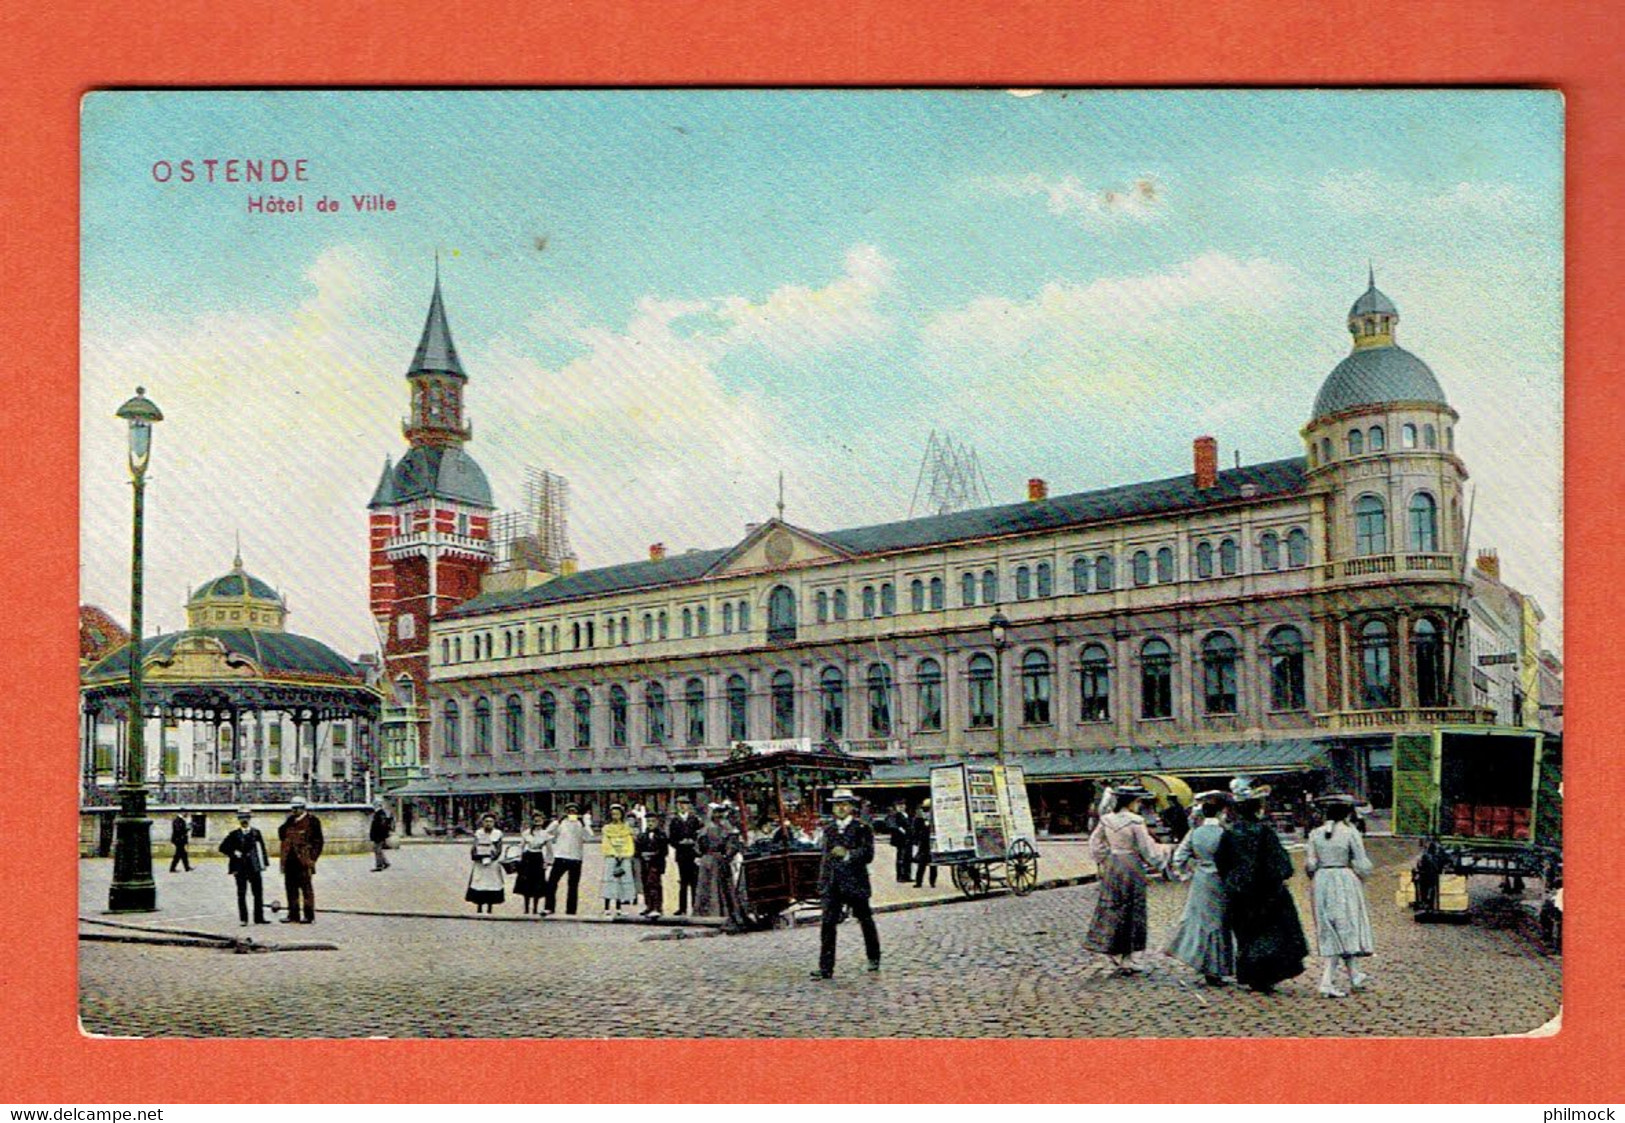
(779, 547)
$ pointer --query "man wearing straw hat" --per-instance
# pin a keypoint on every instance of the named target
(843, 882)
(246, 856)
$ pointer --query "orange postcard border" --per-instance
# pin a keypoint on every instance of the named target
(63, 51)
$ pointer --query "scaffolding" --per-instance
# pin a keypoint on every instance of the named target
(536, 537)
(950, 478)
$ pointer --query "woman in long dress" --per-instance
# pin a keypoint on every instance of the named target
(1337, 861)
(485, 880)
(1203, 938)
(619, 848)
(1123, 850)
(1255, 868)
(536, 847)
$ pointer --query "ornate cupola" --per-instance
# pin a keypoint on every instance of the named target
(1373, 318)
(437, 380)
(236, 600)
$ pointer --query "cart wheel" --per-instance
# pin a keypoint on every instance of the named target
(971, 879)
(1021, 867)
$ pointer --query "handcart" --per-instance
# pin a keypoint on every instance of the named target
(982, 828)
(777, 797)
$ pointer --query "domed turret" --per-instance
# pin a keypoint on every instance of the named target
(236, 600)
(1379, 371)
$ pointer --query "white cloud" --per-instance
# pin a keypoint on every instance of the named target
(1366, 192)
(1141, 199)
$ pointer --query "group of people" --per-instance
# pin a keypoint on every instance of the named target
(1239, 919)
(300, 844)
(911, 843)
(635, 849)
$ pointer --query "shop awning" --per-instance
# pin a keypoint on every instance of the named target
(1222, 758)
(637, 779)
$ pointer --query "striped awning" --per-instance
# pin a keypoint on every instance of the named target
(1222, 758)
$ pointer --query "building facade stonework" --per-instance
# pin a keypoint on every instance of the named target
(1289, 616)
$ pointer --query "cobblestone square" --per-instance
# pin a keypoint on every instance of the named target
(1001, 966)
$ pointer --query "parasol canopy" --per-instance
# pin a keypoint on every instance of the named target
(1166, 789)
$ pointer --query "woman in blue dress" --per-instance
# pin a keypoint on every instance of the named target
(1335, 857)
(1203, 939)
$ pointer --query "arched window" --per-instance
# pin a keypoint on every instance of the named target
(1080, 575)
(1142, 568)
(1156, 679)
(888, 599)
(694, 709)
(939, 595)
(1427, 655)
(1297, 548)
(553, 637)
(916, 595)
(1356, 442)
(660, 624)
(451, 728)
(981, 691)
(879, 700)
(702, 620)
(583, 708)
(1229, 557)
(1407, 435)
(990, 587)
(482, 725)
(1035, 688)
(617, 716)
(1095, 666)
(575, 638)
(868, 601)
(654, 714)
(1430, 437)
(547, 709)
(519, 642)
(592, 627)
(445, 651)
(626, 630)
(930, 695)
(1105, 573)
(738, 708)
(1424, 524)
(688, 623)
(1024, 583)
(648, 627)
(1311, 454)
(1450, 438)
(1045, 579)
(507, 642)
(832, 703)
(513, 730)
(744, 615)
(1325, 450)
(1286, 669)
(609, 631)
(784, 704)
(728, 618)
(1204, 559)
(1165, 565)
(967, 589)
(1375, 440)
(1219, 673)
(821, 606)
(1269, 551)
(840, 604)
(1376, 667)
(781, 614)
(1370, 525)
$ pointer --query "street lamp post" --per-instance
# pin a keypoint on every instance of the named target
(1000, 627)
(133, 889)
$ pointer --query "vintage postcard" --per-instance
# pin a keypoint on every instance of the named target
(821, 563)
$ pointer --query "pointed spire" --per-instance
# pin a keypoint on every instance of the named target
(384, 494)
(436, 352)
(1371, 274)
(781, 496)
(237, 558)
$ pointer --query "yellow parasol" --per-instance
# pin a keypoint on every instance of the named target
(1166, 789)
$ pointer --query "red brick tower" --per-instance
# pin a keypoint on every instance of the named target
(429, 530)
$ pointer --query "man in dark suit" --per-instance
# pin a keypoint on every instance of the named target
(684, 836)
(180, 833)
(301, 838)
(902, 848)
(246, 856)
(920, 835)
(843, 882)
(378, 832)
(651, 845)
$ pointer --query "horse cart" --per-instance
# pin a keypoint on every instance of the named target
(982, 828)
(777, 796)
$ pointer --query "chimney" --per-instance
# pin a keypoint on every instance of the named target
(1037, 490)
(1489, 564)
(569, 565)
(752, 528)
(657, 551)
(1205, 451)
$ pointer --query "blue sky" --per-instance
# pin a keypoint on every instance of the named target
(672, 296)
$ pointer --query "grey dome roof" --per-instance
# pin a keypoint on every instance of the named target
(1375, 376)
(235, 584)
(1372, 301)
(446, 473)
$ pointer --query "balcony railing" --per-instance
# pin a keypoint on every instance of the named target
(1379, 564)
(1341, 721)
(1366, 567)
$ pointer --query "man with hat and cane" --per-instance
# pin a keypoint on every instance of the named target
(684, 836)
(301, 837)
(843, 882)
(246, 856)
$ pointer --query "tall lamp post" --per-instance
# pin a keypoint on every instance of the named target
(1000, 627)
(133, 889)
